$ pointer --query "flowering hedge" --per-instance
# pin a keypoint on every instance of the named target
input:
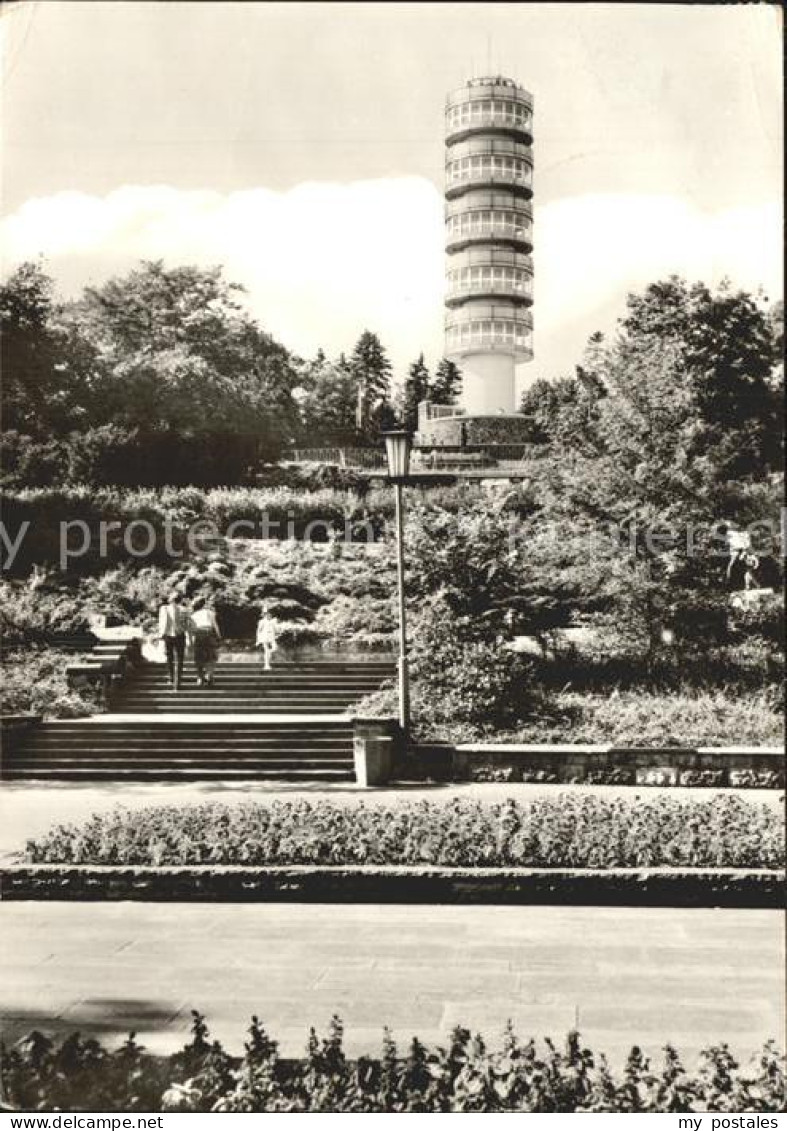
(81, 1075)
(564, 831)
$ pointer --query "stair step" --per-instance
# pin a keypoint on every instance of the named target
(245, 707)
(154, 761)
(165, 692)
(297, 748)
(221, 689)
(176, 740)
(257, 671)
(179, 742)
(239, 706)
(186, 696)
(239, 724)
(262, 676)
(135, 773)
(241, 691)
(294, 671)
(231, 700)
(178, 749)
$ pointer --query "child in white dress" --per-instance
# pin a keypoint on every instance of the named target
(266, 636)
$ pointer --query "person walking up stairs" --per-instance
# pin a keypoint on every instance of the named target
(175, 629)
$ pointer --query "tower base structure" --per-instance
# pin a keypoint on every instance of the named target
(488, 384)
(441, 426)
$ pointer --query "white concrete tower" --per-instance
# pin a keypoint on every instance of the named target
(489, 239)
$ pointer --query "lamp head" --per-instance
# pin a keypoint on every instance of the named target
(398, 445)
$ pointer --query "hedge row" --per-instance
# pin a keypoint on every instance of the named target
(81, 1075)
(562, 831)
(115, 455)
(82, 527)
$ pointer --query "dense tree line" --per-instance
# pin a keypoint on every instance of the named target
(164, 372)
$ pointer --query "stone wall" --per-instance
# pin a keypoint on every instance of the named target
(447, 432)
(722, 766)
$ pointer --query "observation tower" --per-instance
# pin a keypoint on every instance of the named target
(489, 239)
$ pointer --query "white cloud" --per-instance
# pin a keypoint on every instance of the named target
(590, 249)
(325, 260)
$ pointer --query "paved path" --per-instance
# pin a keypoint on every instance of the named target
(624, 975)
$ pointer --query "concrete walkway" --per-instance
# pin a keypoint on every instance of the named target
(624, 975)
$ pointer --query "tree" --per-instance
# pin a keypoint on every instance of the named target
(564, 412)
(723, 345)
(416, 389)
(371, 370)
(446, 387)
(37, 399)
(649, 440)
(328, 403)
(776, 320)
(174, 348)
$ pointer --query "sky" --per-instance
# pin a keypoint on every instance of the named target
(300, 145)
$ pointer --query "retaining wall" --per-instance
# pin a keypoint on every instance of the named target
(635, 887)
(751, 766)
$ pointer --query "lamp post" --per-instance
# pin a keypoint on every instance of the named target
(398, 445)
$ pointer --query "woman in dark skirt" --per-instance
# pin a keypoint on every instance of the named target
(206, 636)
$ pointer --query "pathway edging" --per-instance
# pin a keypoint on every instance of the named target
(646, 887)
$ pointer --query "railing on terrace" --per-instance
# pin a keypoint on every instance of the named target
(496, 453)
(427, 457)
(440, 411)
(344, 457)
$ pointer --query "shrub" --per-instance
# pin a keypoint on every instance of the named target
(369, 623)
(34, 682)
(81, 1075)
(722, 717)
(763, 618)
(564, 831)
(30, 614)
(110, 455)
(462, 674)
(28, 462)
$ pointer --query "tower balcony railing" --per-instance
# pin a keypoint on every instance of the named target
(492, 204)
(459, 181)
(500, 317)
(517, 126)
(490, 262)
(496, 88)
(459, 292)
(460, 236)
(488, 145)
(489, 328)
(519, 346)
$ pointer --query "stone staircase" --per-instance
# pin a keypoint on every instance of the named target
(289, 724)
(245, 688)
(118, 749)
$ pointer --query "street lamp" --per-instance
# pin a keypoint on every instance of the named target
(398, 445)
